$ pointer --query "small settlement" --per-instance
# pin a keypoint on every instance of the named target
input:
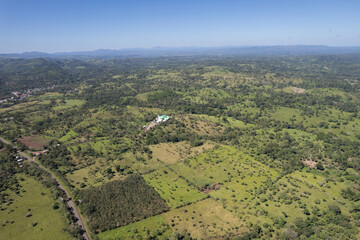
(156, 121)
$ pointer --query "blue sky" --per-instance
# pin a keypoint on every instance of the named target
(77, 25)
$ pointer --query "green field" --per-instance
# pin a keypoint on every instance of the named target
(204, 219)
(222, 165)
(70, 103)
(31, 214)
(153, 227)
(175, 190)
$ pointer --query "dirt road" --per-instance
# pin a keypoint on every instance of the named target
(70, 202)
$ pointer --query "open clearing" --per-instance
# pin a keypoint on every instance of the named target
(35, 142)
(35, 200)
(204, 219)
(69, 104)
(171, 153)
(221, 165)
(175, 190)
(150, 228)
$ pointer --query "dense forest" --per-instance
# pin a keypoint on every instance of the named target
(122, 202)
(256, 147)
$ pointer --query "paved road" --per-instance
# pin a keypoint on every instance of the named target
(70, 202)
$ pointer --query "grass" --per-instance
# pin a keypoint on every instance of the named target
(171, 153)
(285, 114)
(70, 103)
(200, 125)
(339, 123)
(18, 106)
(309, 188)
(203, 220)
(36, 200)
(155, 227)
(92, 175)
(286, 198)
(174, 190)
(220, 165)
(69, 135)
(51, 95)
(229, 122)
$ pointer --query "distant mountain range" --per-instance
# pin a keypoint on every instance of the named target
(193, 51)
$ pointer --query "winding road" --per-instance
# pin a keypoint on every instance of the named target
(70, 202)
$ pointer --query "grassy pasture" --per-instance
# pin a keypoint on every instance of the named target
(51, 95)
(94, 175)
(218, 166)
(171, 153)
(206, 95)
(36, 200)
(18, 106)
(69, 135)
(229, 122)
(339, 123)
(204, 219)
(288, 198)
(155, 227)
(312, 190)
(224, 77)
(173, 189)
(70, 103)
(200, 125)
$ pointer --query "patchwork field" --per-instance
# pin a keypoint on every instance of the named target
(255, 147)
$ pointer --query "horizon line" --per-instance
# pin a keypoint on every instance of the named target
(180, 47)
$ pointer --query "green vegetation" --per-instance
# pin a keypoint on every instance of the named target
(255, 147)
(150, 228)
(172, 188)
(122, 202)
(70, 103)
(204, 219)
(32, 213)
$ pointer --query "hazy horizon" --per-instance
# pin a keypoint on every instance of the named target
(66, 26)
(181, 47)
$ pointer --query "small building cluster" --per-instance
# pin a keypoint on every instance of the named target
(19, 160)
(40, 152)
(161, 118)
(157, 120)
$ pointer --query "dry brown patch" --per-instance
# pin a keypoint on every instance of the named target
(83, 139)
(171, 153)
(205, 219)
(310, 163)
(212, 187)
(34, 141)
(298, 90)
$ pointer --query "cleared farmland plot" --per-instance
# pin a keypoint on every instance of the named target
(204, 219)
(175, 190)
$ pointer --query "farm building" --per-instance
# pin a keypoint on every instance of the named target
(161, 118)
(156, 121)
